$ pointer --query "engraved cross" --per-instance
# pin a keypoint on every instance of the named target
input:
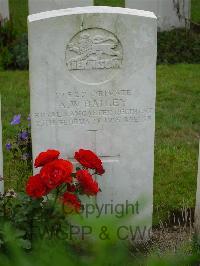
(104, 158)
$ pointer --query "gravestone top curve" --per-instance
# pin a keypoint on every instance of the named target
(90, 9)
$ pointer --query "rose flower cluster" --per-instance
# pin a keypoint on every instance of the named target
(59, 174)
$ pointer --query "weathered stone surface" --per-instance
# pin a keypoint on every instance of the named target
(170, 13)
(36, 6)
(4, 9)
(93, 86)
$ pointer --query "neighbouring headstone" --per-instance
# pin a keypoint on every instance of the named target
(36, 6)
(1, 156)
(197, 208)
(170, 13)
(93, 86)
(4, 9)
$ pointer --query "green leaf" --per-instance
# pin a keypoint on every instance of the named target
(24, 243)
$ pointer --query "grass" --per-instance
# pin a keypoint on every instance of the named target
(177, 134)
(15, 99)
(177, 131)
(195, 11)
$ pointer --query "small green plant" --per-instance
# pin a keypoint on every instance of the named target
(30, 218)
(20, 148)
(81, 253)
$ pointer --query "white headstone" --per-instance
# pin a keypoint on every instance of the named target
(36, 6)
(4, 9)
(170, 13)
(93, 86)
(1, 156)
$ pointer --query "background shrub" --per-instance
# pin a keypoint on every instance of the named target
(178, 46)
(15, 55)
(7, 33)
(13, 48)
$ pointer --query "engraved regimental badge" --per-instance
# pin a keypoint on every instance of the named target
(95, 50)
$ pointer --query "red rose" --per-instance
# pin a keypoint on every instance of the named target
(35, 187)
(89, 160)
(88, 185)
(57, 172)
(46, 157)
(71, 187)
(71, 201)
